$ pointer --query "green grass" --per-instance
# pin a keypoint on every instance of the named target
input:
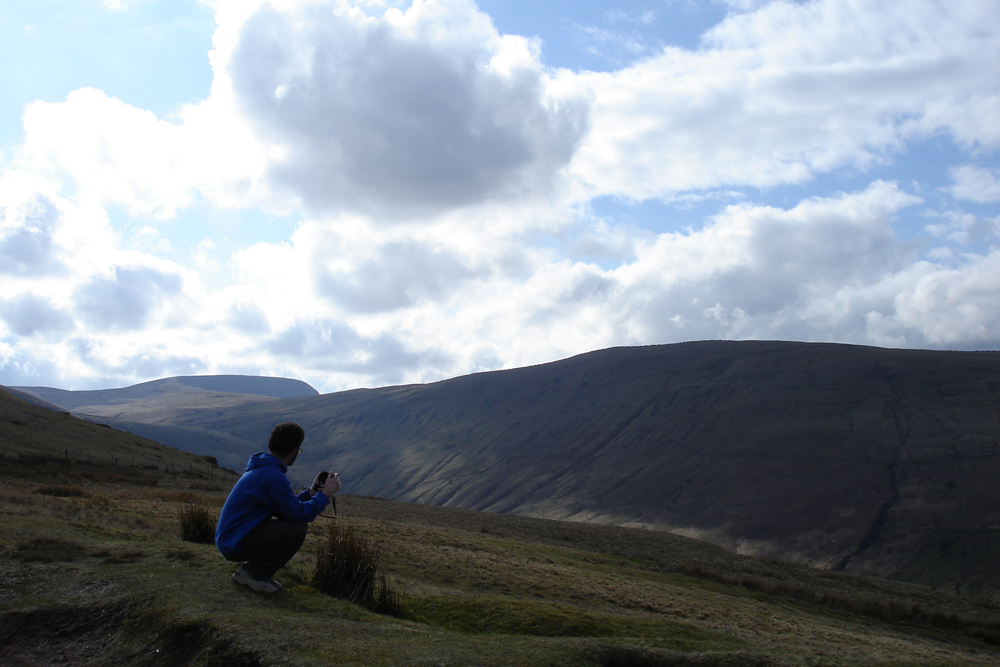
(498, 614)
(107, 568)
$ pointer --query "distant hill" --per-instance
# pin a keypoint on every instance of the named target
(193, 387)
(852, 458)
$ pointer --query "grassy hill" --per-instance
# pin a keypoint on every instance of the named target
(860, 459)
(93, 571)
(39, 438)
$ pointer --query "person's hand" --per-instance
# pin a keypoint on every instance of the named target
(332, 485)
(317, 485)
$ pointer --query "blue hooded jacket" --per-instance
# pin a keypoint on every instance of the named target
(261, 493)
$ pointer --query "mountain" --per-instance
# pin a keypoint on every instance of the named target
(868, 460)
(183, 390)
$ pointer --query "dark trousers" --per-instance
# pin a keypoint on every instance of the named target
(270, 545)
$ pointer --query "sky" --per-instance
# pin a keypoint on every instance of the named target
(361, 193)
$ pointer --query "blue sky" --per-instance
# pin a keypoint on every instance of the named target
(363, 193)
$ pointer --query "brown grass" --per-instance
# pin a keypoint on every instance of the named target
(347, 567)
(197, 525)
(62, 491)
(479, 589)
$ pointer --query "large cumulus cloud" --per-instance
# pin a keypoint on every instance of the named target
(410, 112)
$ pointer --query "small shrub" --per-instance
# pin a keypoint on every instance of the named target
(347, 568)
(197, 525)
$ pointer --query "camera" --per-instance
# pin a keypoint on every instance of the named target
(321, 479)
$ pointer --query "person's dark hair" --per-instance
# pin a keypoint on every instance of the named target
(285, 438)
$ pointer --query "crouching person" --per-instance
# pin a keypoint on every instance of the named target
(263, 523)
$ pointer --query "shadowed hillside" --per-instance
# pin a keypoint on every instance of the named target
(35, 436)
(862, 459)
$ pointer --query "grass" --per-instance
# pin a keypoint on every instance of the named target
(62, 491)
(48, 550)
(108, 569)
(197, 525)
(347, 567)
(505, 615)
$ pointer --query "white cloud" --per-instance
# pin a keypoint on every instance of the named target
(966, 229)
(825, 269)
(446, 199)
(27, 225)
(952, 305)
(117, 154)
(120, 5)
(419, 111)
(975, 184)
(761, 272)
(149, 239)
(28, 314)
(314, 101)
(125, 299)
(791, 90)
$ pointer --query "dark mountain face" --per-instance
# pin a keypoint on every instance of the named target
(876, 461)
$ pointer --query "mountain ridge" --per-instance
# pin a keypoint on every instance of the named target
(198, 385)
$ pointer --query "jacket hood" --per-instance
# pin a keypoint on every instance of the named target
(262, 459)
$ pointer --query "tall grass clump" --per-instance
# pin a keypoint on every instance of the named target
(197, 525)
(348, 568)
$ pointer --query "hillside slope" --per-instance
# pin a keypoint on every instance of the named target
(34, 435)
(862, 459)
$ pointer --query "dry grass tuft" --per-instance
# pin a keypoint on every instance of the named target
(348, 567)
(62, 491)
(197, 525)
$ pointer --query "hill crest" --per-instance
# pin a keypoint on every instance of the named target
(198, 385)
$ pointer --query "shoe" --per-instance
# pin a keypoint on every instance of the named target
(242, 578)
(276, 584)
